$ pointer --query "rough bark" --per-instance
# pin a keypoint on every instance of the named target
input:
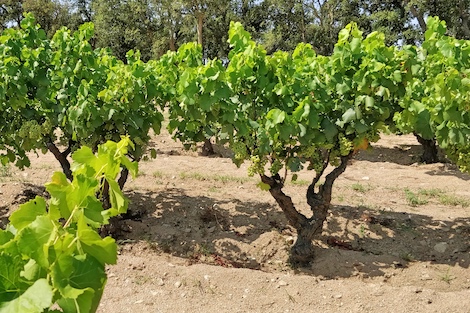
(430, 152)
(295, 218)
(200, 23)
(105, 199)
(123, 178)
(62, 158)
(207, 148)
(302, 252)
(172, 40)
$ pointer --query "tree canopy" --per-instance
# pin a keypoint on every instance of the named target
(156, 26)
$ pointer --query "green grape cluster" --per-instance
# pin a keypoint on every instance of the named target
(239, 151)
(335, 158)
(46, 127)
(308, 152)
(257, 165)
(276, 166)
(30, 131)
(373, 137)
(461, 156)
(316, 161)
(345, 145)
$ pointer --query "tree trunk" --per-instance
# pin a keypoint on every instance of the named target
(123, 177)
(200, 23)
(418, 15)
(62, 158)
(429, 155)
(302, 10)
(302, 252)
(172, 40)
(207, 148)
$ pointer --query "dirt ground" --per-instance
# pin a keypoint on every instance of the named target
(201, 237)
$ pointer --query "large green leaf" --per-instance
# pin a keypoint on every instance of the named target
(28, 212)
(35, 299)
(103, 249)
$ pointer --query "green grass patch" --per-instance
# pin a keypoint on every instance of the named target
(452, 200)
(433, 192)
(361, 188)
(214, 178)
(158, 174)
(414, 199)
(299, 182)
(444, 198)
(407, 256)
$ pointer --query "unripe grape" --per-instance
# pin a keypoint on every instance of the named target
(276, 167)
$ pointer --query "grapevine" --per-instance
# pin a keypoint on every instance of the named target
(240, 152)
(257, 165)
(62, 92)
(48, 263)
(345, 145)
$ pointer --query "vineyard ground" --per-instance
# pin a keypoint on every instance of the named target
(201, 237)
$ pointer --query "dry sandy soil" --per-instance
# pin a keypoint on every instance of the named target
(201, 237)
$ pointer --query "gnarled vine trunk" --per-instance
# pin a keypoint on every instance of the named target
(430, 152)
(302, 252)
(61, 157)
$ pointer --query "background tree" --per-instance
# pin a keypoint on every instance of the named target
(327, 17)
(168, 20)
(10, 13)
(253, 15)
(123, 26)
(51, 15)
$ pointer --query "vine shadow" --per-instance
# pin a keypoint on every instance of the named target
(204, 229)
(401, 154)
(375, 242)
(199, 228)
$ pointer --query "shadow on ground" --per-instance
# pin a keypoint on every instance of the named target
(231, 233)
(255, 235)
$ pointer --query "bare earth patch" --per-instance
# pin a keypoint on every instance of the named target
(201, 237)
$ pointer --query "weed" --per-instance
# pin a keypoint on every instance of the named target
(445, 199)
(454, 201)
(5, 170)
(158, 174)
(360, 188)
(198, 285)
(362, 231)
(45, 166)
(447, 277)
(214, 178)
(141, 280)
(196, 176)
(204, 249)
(413, 199)
(211, 214)
(228, 178)
(407, 256)
(434, 192)
(291, 298)
(300, 182)
(368, 207)
(167, 244)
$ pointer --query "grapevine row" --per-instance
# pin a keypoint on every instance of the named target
(281, 112)
(288, 111)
